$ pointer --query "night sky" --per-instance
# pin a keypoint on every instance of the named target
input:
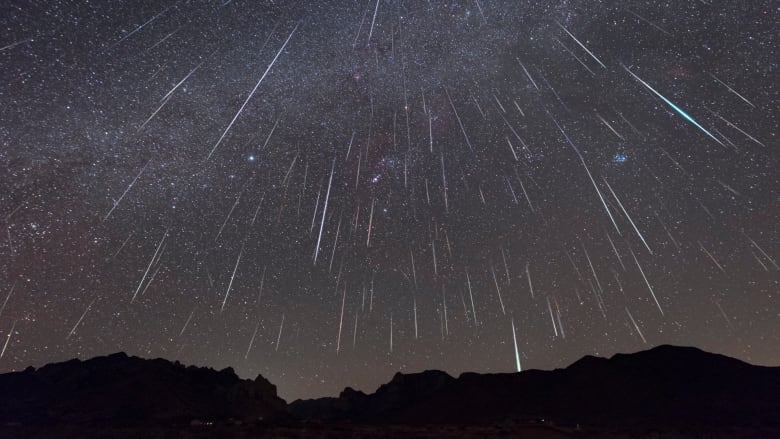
(328, 192)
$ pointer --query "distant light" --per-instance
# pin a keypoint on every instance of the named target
(251, 158)
(619, 158)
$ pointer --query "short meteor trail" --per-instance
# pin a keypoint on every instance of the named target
(7, 297)
(81, 318)
(732, 90)
(8, 339)
(373, 20)
(279, 337)
(517, 352)
(132, 183)
(647, 282)
(460, 123)
(230, 284)
(146, 273)
(324, 212)
(582, 45)
(628, 216)
(639, 331)
(679, 110)
(140, 27)
(252, 340)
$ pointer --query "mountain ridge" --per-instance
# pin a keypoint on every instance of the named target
(667, 385)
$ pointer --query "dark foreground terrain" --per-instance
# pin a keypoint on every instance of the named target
(665, 392)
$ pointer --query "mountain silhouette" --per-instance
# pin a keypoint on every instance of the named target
(667, 388)
(119, 389)
(667, 385)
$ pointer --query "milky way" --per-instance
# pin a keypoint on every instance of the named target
(328, 192)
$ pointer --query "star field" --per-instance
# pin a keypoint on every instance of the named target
(328, 192)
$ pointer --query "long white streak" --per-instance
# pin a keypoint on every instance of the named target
(360, 28)
(341, 319)
(736, 128)
(257, 210)
(614, 249)
(558, 316)
(391, 332)
(471, 298)
(12, 45)
(354, 331)
(279, 337)
(252, 340)
(186, 323)
(414, 272)
(316, 207)
(444, 183)
(517, 352)
(575, 56)
(723, 313)
(552, 317)
(430, 131)
(512, 148)
(460, 123)
(498, 289)
(433, 252)
(273, 128)
(528, 74)
(582, 45)
(289, 170)
(164, 98)
(648, 22)
(370, 222)
(124, 243)
(593, 182)
(480, 11)
(116, 203)
(324, 211)
(7, 297)
(227, 218)
(335, 244)
(639, 331)
(150, 266)
(711, 257)
(140, 27)
(414, 311)
(592, 269)
(216, 145)
(668, 233)
(509, 185)
(8, 339)
(373, 20)
(646, 281)
(732, 90)
(528, 275)
(627, 216)
(604, 121)
(154, 114)
(349, 147)
(522, 142)
(761, 250)
(151, 279)
(262, 281)
(232, 277)
(81, 318)
(444, 305)
(506, 266)
(522, 186)
(679, 110)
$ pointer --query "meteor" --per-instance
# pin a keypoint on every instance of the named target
(679, 110)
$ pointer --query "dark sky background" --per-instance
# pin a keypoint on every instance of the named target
(596, 176)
